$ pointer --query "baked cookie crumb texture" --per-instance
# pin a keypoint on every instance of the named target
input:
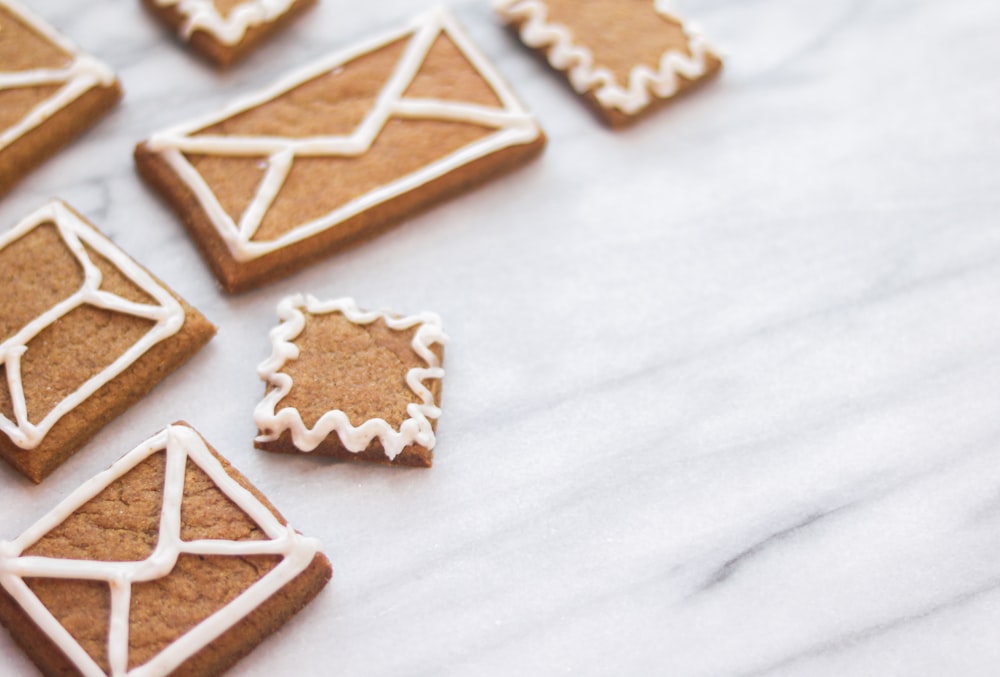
(339, 151)
(169, 562)
(625, 57)
(50, 91)
(352, 384)
(85, 331)
(225, 30)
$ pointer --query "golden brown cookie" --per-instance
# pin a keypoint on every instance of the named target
(339, 151)
(351, 384)
(50, 92)
(169, 561)
(225, 31)
(85, 332)
(624, 57)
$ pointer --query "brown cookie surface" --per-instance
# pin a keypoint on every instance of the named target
(50, 91)
(339, 151)
(225, 31)
(352, 384)
(85, 332)
(624, 57)
(170, 560)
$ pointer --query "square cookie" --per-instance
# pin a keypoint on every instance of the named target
(85, 332)
(49, 91)
(624, 57)
(351, 384)
(339, 151)
(225, 31)
(169, 562)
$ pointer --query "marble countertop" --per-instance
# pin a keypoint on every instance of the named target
(723, 393)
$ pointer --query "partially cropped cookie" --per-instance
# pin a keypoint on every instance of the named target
(351, 384)
(225, 31)
(340, 151)
(624, 57)
(50, 91)
(85, 332)
(168, 563)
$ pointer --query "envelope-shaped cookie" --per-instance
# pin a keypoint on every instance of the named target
(624, 57)
(225, 30)
(340, 150)
(169, 560)
(49, 91)
(84, 332)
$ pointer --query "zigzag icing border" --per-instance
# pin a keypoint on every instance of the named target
(180, 444)
(81, 75)
(202, 15)
(416, 429)
(168, 316)
(585, 76)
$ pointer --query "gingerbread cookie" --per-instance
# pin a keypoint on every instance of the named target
(225, 30)
(625, 57)
(85, 332)
(351, 384)
(340, 151)
(169, 562)
(49, 91)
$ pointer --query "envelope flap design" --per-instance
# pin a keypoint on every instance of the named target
(100, 261)
(62, 81)
(23, 48)
(412, 96)
(344, 95)
(131, 582)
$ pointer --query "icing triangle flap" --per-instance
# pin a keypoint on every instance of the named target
(447, 74)
(333, 103)
(207, 513)
(119, 524)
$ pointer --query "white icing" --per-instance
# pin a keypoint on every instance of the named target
(513, 125)
(180, 444)
(202, 15)
(585, 75)
(167, 315)
(416, 429)
(80, 75)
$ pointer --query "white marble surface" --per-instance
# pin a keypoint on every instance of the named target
(723, 396)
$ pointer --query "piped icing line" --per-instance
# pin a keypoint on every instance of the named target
(82, 74)
(512, 123)
(416, 429)
(180, 444)
(167, 315)
(202, 15)
(564, 54)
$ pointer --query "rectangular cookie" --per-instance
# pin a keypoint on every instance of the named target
(351, 384)
(85, 332)
(169, 562)
(50, 91)
(225, 31)
(339, 151)
(625, 58)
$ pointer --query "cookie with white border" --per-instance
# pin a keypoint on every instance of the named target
(225, 31)
(624, 57)
(169, 562)
(340, 151)
(352, 384)
(50, 91)
(85, 332)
